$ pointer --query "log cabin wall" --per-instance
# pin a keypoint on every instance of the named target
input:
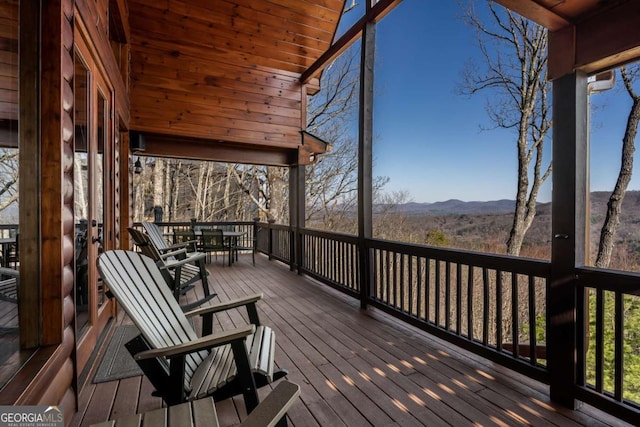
(225, 71)
(55, 382)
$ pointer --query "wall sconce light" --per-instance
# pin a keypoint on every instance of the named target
(137, 167)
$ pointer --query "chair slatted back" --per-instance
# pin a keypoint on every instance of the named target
(142, 241)
(155, 235)
(139, 287)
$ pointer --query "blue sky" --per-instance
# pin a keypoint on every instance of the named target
(428, 138)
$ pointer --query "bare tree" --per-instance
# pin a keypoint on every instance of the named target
(514, 52)
(614, 205)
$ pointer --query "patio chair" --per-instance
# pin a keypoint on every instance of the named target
(213, 240)
(187, 237)
(244, 244)
(180, 365)
(179, 269)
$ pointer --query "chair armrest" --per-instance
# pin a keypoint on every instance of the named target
(274, 406)
(9, 272)
(174, 247)
(204, 343)
(179, 262)
(234, 303)
(179, 252)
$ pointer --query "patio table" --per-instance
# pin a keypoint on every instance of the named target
(231, 237)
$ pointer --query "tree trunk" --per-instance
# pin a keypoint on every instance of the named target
(158, 189)
(614, 205)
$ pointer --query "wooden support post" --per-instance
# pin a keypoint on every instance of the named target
(365, 160)
(570, 167)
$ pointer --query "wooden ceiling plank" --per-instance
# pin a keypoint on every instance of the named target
(186, 106)
(146, 59)
(214, 134)
(189, 82)
(171, 117)
(246, 50)
(223, 106)
(225, 14)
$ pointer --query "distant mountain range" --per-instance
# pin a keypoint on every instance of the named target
(599, 199)
(456, 207)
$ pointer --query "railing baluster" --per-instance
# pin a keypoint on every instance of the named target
(458, 298)
(470, 303)
(532, 320)
(419, 298)
(437, 293)
(447, 296)
(499, 309)
(402, 305)
(427, 289)
(619, 346)
(485, 306)
(599, 340)
(410, 284)
(515, 315)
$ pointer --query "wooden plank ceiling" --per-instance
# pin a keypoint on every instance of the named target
(221, 79)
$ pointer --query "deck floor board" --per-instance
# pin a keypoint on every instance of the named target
(355, 367)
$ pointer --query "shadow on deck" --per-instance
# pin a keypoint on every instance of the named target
(354, 367)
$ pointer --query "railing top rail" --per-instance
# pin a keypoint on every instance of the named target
(534, 267)
(609, 280)
(274, 226)
(349, 238)
(188, 223)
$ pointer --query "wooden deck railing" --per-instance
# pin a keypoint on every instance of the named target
(492, 305)
(609, 315)
(331, 258)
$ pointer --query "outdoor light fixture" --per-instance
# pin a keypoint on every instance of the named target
(137, 167)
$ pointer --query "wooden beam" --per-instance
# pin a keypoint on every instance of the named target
(536, 13)
(219, 151)
(609, 38)
(374, 14)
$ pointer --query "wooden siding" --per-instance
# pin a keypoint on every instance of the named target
(355, 367)
(225, 71)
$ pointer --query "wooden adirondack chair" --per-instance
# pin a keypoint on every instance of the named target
(179, 269)
(201, 413)
(157, 239)
(179, 364)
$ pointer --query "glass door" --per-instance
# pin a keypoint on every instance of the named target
(93, 139)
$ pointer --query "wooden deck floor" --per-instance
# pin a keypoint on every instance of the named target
(355, 368)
